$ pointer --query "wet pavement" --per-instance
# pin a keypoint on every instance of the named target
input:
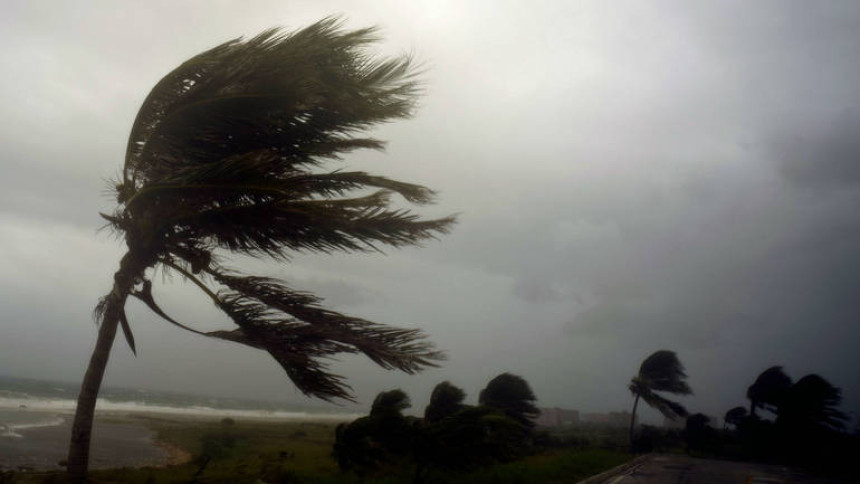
(679, 469)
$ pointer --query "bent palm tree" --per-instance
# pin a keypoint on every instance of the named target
(660, 372)
(226, 154)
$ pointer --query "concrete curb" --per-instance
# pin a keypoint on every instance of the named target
(605, 475)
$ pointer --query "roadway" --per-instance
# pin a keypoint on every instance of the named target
(680, 469)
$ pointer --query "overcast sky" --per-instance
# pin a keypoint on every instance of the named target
(631, 176)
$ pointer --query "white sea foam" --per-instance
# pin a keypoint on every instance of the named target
(68, 406)
(9, 430)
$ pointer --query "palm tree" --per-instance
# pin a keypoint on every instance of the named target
(769, 390)
(812, 403)
(734, 417)
(446, 400)
(227, 155)
(513, 395)
(660, 372)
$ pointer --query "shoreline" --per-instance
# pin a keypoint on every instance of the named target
(122, 438)
(115, 444)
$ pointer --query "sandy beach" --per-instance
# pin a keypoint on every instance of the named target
(115, 444)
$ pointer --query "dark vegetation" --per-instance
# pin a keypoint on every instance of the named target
(452, 436)
(496, 441)
(791, 423)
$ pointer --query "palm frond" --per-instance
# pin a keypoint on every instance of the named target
(262, 299)
(299, 94)
(668, 408)
(126, 331)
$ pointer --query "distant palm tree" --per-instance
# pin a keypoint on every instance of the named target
(513, 395)
(445, 400)
(734, 417)
(769, 390)
(812, 403)
(227, 155)
(660, 372)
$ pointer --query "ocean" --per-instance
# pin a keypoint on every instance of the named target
(27, 402)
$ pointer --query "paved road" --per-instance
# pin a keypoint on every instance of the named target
(679, 469)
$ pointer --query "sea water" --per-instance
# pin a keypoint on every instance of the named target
(40, 403)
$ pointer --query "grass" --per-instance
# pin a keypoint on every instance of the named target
(257, 452)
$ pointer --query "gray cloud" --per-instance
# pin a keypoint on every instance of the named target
(824, 154)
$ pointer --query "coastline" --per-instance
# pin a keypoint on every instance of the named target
(123, 438)
(115, 444)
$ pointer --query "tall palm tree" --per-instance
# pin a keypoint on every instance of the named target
(660, 372)
(227, 155)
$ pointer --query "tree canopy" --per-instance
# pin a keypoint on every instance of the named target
(811, 403)
(446, 400)
(769, 390)
(513, 395)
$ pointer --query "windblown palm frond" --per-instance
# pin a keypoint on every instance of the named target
(229, 154)
(668, 408)
(662, 371)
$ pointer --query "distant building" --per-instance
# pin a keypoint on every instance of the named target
(611, 419)
(556, 417)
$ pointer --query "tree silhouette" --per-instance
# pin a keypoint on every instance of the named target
(513, 395)
(769, 390)
(227, 156)
(699, 433)
(660, 372)
(735, 416)
(446, 400)
(384, 436)
(390, 403)
(811, 404)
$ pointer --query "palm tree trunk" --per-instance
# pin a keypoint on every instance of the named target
(79, 447)
(633, 420)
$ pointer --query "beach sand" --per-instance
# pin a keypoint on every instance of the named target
(115, 444)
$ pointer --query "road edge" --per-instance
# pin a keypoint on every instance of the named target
(616, 470)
